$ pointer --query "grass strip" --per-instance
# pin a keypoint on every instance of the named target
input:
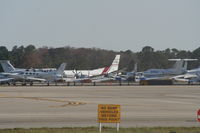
(105, 130)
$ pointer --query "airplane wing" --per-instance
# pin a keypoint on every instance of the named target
(121, 78)
(155, 77)
(93, 79)
(34, 79)
(5, 80)
(102, 79)
(17, 76)
(187, 78)
(182, 80)
(82, 80)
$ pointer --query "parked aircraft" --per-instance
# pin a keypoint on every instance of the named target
(190, 77)
(95, 72)
(11, 74)
(127, 76)
(178, 68)
(95, 75)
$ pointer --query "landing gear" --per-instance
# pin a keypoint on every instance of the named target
(31, 83)
(120, 82)
(24, 84)
(190, 82)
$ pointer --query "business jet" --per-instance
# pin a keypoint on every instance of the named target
(192, 76)
(180, 67)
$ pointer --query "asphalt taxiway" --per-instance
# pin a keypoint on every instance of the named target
(74, 106)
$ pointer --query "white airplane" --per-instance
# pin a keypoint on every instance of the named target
(95, 72)
(93, 76)
(190, 77)
(178, 68)
(12, 74)
(127, 76)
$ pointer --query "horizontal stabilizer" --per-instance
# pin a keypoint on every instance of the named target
(182, 59)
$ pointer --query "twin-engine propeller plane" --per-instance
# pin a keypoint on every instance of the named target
(11, 74)
(95, 75)
(95, 72)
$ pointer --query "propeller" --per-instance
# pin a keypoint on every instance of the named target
(77, 74)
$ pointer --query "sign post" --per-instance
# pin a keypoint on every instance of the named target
(109, 113)
(198, 115)
(117, 127)
(99, 127)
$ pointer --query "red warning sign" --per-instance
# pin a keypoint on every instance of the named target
(198, 115)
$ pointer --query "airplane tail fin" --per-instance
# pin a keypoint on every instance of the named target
(115, 64)
(7, 67)
(61, 68)
(179, 67)
(185, 65)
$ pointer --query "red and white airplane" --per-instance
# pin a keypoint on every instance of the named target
(95, 72)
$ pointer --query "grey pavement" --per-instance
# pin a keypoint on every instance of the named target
(75, 106)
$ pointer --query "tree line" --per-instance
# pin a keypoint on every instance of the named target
(91, 58)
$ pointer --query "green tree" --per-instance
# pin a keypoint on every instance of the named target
(4, 53)
(17, 56)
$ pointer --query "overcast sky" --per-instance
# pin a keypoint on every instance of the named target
(108, 24)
